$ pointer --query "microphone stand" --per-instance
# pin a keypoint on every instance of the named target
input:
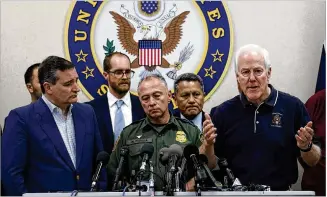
(172, 176)
(200, 177)
(151, 180)
(96, 177)
(140, 179)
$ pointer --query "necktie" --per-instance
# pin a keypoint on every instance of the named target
(119, 119)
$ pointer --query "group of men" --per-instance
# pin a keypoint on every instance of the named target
(51, 144)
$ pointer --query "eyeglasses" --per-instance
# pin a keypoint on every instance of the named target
(121, 73)
(256, 72)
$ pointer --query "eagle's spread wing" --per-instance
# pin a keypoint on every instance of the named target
(174, 33)
(125, 34)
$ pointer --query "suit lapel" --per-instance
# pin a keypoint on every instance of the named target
(137, 110)
(104, 106)
(79, 125)
(50, 128)
(203, 117)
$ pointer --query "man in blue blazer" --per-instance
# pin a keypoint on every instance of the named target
(118, 73)
(51, 145)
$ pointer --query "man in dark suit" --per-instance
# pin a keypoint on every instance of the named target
(189, 97)
(111, 118)
(51, 145)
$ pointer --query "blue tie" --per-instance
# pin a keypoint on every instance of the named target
(119, 119)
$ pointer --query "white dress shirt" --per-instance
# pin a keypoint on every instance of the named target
(126, 108)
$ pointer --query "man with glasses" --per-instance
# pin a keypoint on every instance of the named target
(263, 131)
(118, 108)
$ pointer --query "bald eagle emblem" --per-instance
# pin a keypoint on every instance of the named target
(157, 49)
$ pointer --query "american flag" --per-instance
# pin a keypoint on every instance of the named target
(150, 52)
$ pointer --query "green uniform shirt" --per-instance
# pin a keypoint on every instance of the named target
(177, 131)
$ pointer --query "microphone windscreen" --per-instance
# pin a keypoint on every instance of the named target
(189, 150)
(147, 149)
(175, 149)
(103, 157)
(203, 158)
(164, 154)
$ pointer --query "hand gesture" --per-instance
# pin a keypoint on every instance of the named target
(209, 131)
(304, 136)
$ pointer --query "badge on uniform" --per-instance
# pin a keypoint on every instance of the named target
(276, 120)
(181, 137)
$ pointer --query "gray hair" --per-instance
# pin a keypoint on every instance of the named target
(252, 48)
(188, 77)
(157, 76)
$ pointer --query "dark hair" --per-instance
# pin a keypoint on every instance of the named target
(29, 73)
(188, 77)
(107, 60)
(49, 67)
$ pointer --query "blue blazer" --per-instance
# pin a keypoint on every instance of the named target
(34, 156)
(101, 109)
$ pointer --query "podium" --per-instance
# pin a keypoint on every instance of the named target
(205, 193)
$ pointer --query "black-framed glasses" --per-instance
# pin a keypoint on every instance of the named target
(121, 73)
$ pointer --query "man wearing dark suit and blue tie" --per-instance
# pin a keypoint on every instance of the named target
(118, 108)
(51, 145)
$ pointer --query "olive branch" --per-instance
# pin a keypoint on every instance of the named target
(109, 47)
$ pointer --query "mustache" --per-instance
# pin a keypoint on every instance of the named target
(125, 81)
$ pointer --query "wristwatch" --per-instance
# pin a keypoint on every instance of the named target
(308, 148)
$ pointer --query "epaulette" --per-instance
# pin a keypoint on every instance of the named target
(135, 122)
(185, 120)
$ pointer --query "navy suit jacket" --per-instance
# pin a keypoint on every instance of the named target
(101, 109)
(34, 156)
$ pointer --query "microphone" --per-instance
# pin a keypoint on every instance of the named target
(172, 155)
(102, 160)
(204, 160)
(123, 153)
(163, 156)
(190, 153)
(146, 152)
(223, 164)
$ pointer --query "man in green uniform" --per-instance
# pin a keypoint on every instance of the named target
(160, 129)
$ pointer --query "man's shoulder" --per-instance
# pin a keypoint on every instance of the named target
(186, 123)
(22, 111)
(319, 96)
(82, 107)
(98, 100)
(133, 125)
(288, 99)
(227, 105)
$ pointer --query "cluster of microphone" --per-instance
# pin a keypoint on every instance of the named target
(181, 165)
